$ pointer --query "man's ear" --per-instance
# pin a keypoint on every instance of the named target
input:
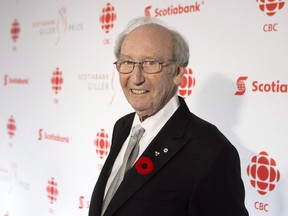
(179, 75)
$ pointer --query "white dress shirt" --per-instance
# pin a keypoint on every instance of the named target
(152, 126)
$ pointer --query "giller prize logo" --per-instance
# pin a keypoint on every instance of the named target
(96, 81)
(99, 82)
(15, 32)
(270, 8)
(102, 144)
(11, 176)
(57, 82)
(187, 84)
(172, 10)
(275, 86)
(107, 20)
(58, 26)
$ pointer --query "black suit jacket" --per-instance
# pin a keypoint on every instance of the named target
(199, 175)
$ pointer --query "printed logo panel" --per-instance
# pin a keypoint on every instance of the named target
(108, 18)
(263, 173)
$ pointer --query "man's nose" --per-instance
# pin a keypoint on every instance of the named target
(137, 74)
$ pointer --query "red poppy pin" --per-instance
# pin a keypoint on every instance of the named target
(144, 166)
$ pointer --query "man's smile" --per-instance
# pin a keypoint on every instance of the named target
(139, 91)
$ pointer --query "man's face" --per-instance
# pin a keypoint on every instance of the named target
(148, 93)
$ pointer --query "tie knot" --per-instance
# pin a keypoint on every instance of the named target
(137, 132)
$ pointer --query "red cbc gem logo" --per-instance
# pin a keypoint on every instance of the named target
(11, 127)
(57, 80)
(15, 30)
(263, 173)
(52, 190)
(102, 144)
(270, 7)
(108, 17)
(188, 82)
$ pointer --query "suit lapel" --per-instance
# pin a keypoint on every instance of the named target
(169, 141)
(120, 134)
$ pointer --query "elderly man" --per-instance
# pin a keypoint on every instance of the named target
(164, 160)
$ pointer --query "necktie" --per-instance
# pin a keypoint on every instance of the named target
(129, 158)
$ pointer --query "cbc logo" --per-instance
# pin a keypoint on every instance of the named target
(108, 18)
(270, 27)
(187, 83)
(11, 127)
(15, 30)
(57, 80)
(263, 173)
(102, 144)
(261, 206)
(270, 7)
(52, 190)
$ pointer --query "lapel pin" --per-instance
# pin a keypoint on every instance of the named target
(165, 150)
(157, 153)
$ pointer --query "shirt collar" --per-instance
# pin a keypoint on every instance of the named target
(154, 123)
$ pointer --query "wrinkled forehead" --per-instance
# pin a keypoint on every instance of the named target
(149, 39)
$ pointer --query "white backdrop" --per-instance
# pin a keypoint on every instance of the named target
(60, 97)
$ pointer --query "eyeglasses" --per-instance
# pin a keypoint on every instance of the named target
(147, 66)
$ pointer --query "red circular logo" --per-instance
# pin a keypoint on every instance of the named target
(102, 143)
(188, 82)
(52, 190)
(263, 173)
(270, 7)
(15, 30)
(57, 80)
(11, 127)
(108, 17)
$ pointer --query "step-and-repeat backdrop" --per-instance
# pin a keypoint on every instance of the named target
(60, 96)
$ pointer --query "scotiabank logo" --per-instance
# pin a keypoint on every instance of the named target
(52, 190)
(187, 84)
(263, 173)
(241, 85)
(11, 127)
(14, 80)
(102, 144)
(57, 80)
(261, 87)
(43, 135)
(173, 9)
(108, 18)
(270, 7)
(84, 203)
